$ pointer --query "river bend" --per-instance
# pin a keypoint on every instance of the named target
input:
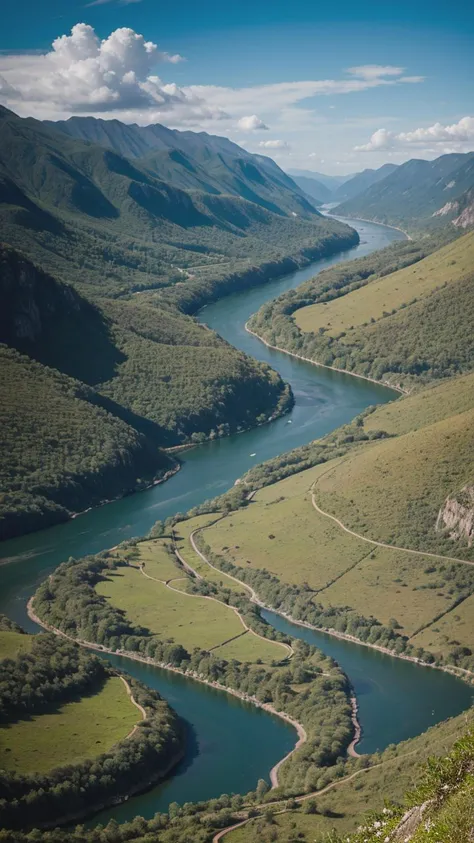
(231, 743)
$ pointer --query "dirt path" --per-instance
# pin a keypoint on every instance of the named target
(383, 544)
(316, 793)
(137, 705)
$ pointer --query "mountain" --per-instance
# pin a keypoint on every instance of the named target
(72, 206)
(412, 193)
(459, 211)
(194, 161)
(361, 182)
(316, 190)
(331, 182)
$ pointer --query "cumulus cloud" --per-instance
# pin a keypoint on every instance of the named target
(274, 144)
(251, 123)
(458, 135)
(83, 74)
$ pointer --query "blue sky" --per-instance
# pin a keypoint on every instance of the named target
(331, 87)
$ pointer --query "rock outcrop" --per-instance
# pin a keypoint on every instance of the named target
(457, 515)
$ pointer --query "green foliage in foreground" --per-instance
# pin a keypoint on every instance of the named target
(439, 810)
(54, 673)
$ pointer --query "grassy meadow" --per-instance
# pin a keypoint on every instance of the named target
(71, 732)
(392, 491)
(172, 614)
(382, 296)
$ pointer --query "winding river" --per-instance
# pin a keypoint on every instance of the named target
(231, 744)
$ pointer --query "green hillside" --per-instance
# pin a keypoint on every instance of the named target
(61, 452)
(80, 209)
(195, 161)
(317, 531)
(414, 193)
(402, 327)
(71, 443)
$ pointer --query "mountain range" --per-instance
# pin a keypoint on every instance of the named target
(415, 192)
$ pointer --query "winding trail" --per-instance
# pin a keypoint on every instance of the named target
(247, 628)
(136, 704)
(89, 645)
(313, 795)
(383, 544)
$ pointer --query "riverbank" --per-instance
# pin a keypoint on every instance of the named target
(300, 730)
(372, 222)
(324, 365)
(459, 672)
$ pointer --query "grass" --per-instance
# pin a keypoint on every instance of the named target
(70, 734)
(389, 490)
(187, 620)
(384, 295)
(344, 807)
(434, 404)
(14, 643)
(182, 532)
(158, 559)
(455, 627)
(390, 585)
(392, 491)
(281, 532)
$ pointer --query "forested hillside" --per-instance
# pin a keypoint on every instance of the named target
(414, 193)
(401, 316)
(195, 160)
(102, 390)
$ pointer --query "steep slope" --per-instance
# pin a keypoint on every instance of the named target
(460, 211)
(158, 376)
(61, 452)
(318, 192)
(195, 161)
(71, 205)
(414, 191)
(361, 182)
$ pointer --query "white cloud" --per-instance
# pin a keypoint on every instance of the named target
(274, 144)
(458, 135)
(375, 71)
(251, 123)
(82, 74)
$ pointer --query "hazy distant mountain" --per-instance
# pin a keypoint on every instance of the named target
(317, 191)
(195, 161)
(414, 191)
(362, 181)
(331, 182)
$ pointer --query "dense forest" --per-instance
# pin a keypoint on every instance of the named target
(54, 673)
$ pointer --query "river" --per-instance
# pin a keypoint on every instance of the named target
(231, 743)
